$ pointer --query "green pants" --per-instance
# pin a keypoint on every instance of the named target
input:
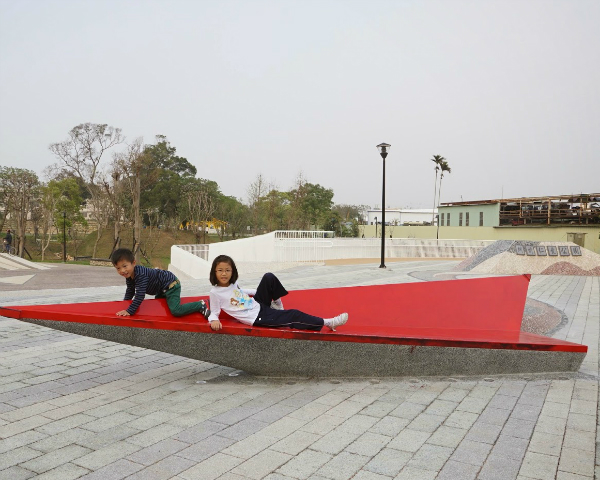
(173, 296)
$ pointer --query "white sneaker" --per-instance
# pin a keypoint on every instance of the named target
(277, 304)
(337, 321)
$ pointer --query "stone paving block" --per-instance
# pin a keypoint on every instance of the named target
(426, 422)
(212, 468)
(447, 436)
(458, 471)
(483, 432)
(346, 409)
(422, 397)
(206, 448)
(333, 398)
(458, 419)
(67, 471)
(585, 423)
(411, 473)
(494, 416)
(497, 467)
(335, 441)
(21, 439)
(295, 443)
(17, 456)
(409, 440)
(343, 466)
(390, 426)
(576, 461)
(158, 451)
(29, 411)
(24, 425)
(472, 404)
(408, 410)
(453, 394)
(243, 429)
(572, 476)
(473, 453)
(379, 409)
(553, 409)
(519, 428)
(283, 427)
(250, 446)
(274, 413)
(199, 432)
(305, 464)
(96, 441)
(388, 462)
(510, 447)
(539, 466)
(16, 473)
(358, 424)
(55, 458)
(165, 469)
(430, 457)
(66, 423)
(579, 440)
(368, 444)
(584, 407)
(106, 455)
(526, 412)
(262, 464)
(551, 425)
(546, 443)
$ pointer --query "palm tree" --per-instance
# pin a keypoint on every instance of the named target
(444, 167)
(437, 159)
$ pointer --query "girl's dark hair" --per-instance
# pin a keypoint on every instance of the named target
(213, 269)
(122, 254)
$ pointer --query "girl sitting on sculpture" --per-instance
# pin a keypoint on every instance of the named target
(261, 307)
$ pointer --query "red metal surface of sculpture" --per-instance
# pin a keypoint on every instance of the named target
(472, 313)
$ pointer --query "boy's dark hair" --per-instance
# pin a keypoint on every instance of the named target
(213, 272)
(122, 254)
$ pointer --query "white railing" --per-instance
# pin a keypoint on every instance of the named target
(200, 250)
(283, 249)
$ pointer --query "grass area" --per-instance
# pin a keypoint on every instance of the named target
(156, 243)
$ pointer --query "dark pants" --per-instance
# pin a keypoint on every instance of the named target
(173, 296)
(269, 289)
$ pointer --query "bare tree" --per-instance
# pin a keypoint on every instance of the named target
(201, 207)
(256, 191)
(82, 153)
(129, 164)
(20, 188)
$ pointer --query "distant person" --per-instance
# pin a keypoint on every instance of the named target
(152, 281)
(7, 241)
(265, 309)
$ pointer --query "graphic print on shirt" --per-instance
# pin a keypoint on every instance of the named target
(241, 300)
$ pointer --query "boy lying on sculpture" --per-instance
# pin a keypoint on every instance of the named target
(152, 281)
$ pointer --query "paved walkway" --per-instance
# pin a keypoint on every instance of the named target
(75, 407)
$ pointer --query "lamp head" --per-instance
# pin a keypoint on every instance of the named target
(383, 149)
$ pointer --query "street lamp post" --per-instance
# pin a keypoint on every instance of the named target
(64, 237)
(383, 151)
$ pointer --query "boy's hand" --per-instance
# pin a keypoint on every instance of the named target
(123, 313)
(215, 325)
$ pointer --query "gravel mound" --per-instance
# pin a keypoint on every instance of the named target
(501, 258)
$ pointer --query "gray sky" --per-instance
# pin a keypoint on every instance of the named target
(507, 91)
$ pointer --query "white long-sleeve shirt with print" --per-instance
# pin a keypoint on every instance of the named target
(234, 301)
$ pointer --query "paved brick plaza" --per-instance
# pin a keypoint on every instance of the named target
(75, 407)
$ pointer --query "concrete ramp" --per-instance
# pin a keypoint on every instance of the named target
(454, 327)
(8, 262)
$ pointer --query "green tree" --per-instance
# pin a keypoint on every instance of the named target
(165, 177)
(437, 160)
(444, 167)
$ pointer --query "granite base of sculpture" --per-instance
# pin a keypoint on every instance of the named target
(453, 327)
